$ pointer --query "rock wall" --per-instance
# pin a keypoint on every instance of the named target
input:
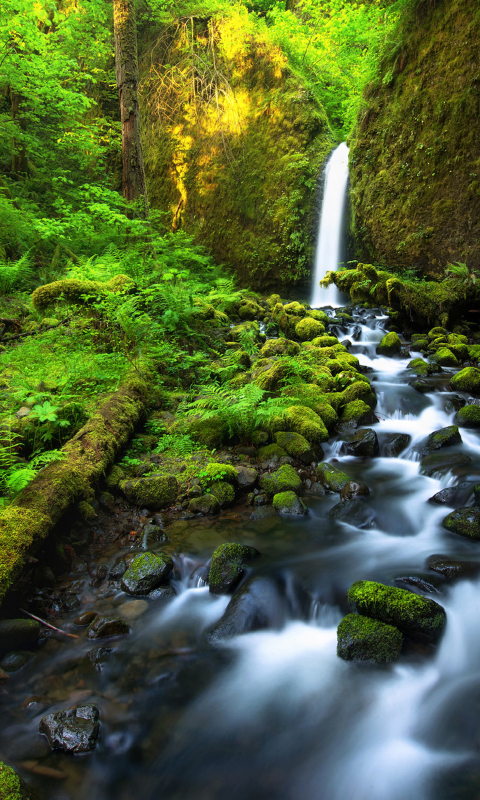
(415, 155)
(233, 145)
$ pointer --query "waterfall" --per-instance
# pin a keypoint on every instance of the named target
(330, 236)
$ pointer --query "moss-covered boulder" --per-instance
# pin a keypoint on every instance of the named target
(279, 347)
(249, 310)
(146, 572)
(308, 328)
(363, 639)
(460, 351)
(298, 447)
(316, 398)
(360, 389)
(356, 413)
(157, 491)
(468, 417)
(224, 492)
(206, 504)
(362, 444)
(78, 291)
(445, 357)
(325, 341)
(13, 787)
(445, 437)
(248, 328)
(440, 463)
(390, 345)
(354, 489)
(289, 503)
(319, 315)
(269, 379)
(228, 566)
(331, 478)
(421, 367)
(418, 617)
(467, 380)
(302, 420)
(464, 521)
(272, 453)
(284, 479)
(436, 333)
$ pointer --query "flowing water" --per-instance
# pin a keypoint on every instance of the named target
(275, 715)
(330, 241)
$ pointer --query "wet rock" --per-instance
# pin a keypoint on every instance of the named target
(390, 345)
(43, 577)
(363, 443)
(118, 570)
(417, 583)
(423, 387)
(74, 730)
(151, 535)
(228, 566)
(423, 368)
(284, 479)
(360, 638)
(86, 618)
(468, 417)
(98, 656)
(331, 478)
(355, 413)
(260, 500)
(394, 443)
(12, 662)
(157, 491)
(79, 565)
(16, 634)
(289, 503)
(257, 605)
(445, 437)
(452, 569)
(133, 609)
(246, 477)
(454, 403)
(146, 572)
(207, 504)
(353, 489)
(162, 593)
(442, 462)
(264, 512)
(317, 489)
(467, 380)
(224, 492)
(103, 627)
(464, 521)
(251, 452)
(353, 512)
(297, 446)
(445, 357)
(420, 618)
(453, 495)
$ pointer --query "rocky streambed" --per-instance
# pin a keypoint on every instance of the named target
(317, 638)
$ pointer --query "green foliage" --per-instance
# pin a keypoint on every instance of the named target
(15, 275)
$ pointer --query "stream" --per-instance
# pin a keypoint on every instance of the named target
(276, 714)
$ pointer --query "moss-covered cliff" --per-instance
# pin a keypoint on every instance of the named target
(415, 156)
(233, 145)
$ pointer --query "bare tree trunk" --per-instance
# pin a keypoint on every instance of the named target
(126, 68)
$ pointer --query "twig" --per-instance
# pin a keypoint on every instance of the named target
(47, 625)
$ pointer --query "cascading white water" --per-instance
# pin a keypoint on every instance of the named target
(330, 236)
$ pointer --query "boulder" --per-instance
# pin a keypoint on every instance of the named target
(353, 512)
(422, 368)
(363, 443)
(360, 638)
(17, 633)
(289, 503)
(418, 583)
(306, 422)
(14, 661)
(279, 347)
(452, 569)
(419, 618)
(467, 380)
(353, 489)
(157, 491)
(390, 345)
(423, 387)
(445, 357)
(445, 437)
(118, 570)
(152, 535)
(356, 413)
(224, 492)
(263, 512)
(468, 417)
(103, 627)
(146, 572)
(255, 606)
(284, 479)
(297, 446)
(453, 495)
(442, 462)
(74, 730)
(331, 478)
(308, 329)
(394, 443)
(228, 566)
(464, 521)
(246, 477)
(205, 504)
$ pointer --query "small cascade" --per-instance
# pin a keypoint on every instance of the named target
(330, 236)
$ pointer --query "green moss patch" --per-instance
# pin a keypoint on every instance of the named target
(363, 639)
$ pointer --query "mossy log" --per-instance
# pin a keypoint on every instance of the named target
(35, 512)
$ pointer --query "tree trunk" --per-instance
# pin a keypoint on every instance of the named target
(19, 155)
(126, 69)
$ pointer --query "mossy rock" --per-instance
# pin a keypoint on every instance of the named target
(270, 379)
(157, 491)
(460, 351)
(279, 347)
(456, 338)
(289, 503)
(304, 421)
(75, 291)
(333, 479)
(362, 444)
(308, 328)
(357, 412)
(13, 787)
(421, 367)
(468, 417)
(273, 300)
(249, 310)
(216, 471)
(206, 504)
(417, 617)
(435, 333)
(297, 446)
(359, 390)
(115, 477)
(314, 397)
(248, 327)
(295, 308)
(360, 638)
(445, 357)
(146, 572)
(474, 352)
(320, 316)
(467, 380)
(271, 452)
(224, 492)
(325, 341)
(284, 479)
(445, 437)
(228, 566)
(211, 432)
(464, 521)
(390, 345)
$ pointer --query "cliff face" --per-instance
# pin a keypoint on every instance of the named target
(415, 156)
(233, 146)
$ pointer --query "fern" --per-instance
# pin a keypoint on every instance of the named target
(176, 444)
(15, 274)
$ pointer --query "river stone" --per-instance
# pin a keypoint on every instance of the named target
(423, 368)
(17, 633)
(118, 570)
(157, 491)
(331, 478)
(451, 568)
(394, 443)
(146, 572)
(97, 656)
(464, 521)
(445, 357)
(133, 609)
(289, 503)
(353, 512)
(86, 618)
(263, 512)
(353, 489)
(363, 639)
(255, 606)
(453, 495)
(468, 417)
(228, 566)
(103, 627)
(12, 662)
(445, 437)
(363, 443)
(297, 446)
(442, 462)
(467, 380)
(284, 479)
(390, 345)
(420, 618)
(207, 504)
(224, 492)
(74, 730)
(418, 583)
(454, 403)
(423, 387)
(246, 477)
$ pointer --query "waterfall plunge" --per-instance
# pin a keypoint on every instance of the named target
(330, 236)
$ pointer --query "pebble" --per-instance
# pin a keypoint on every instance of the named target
(133, 609)
(86, 618)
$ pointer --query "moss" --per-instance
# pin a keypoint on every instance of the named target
(284, 479)
(271, 378)
(418, 617)
(325, 341)
(86, 511)
(295, 308)
(465, 522)
(308, 329)
(228, 565)
(216, 471)
(445, 437)
(295, 444)
(224, 492)
(206, 504)
(320, 316)
(467, 380)
(460, 351)
(421, 367)
(390, 345)
(445, 358)
(156, 491)
(74, 290)
(306, 422)
(249, 327)
(114, 477)
(356, 411)
(288, 503)
(363, 639)
(468, 417)
(331, 478)
(12, 787)
(249, 310)
(279, 347)
(273, 300)
(146, 572)
(211, 432)
(271, 451)
(474, 352)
